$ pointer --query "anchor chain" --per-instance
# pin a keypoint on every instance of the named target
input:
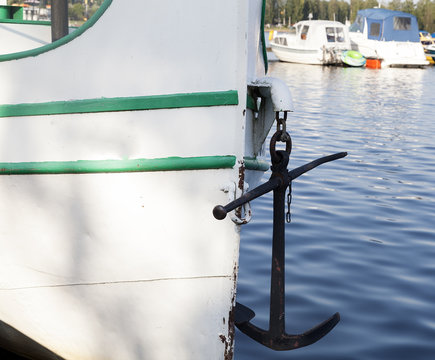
(275, 337)
(282, 135)
(281, 124)
(288, 215)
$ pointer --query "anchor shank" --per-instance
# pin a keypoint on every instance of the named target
(277, 286)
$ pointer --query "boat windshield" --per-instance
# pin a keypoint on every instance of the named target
(358, 25)
(335, 34)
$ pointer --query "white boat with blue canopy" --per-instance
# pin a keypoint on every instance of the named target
(389, 36)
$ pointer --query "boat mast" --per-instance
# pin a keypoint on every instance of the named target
(59, 19)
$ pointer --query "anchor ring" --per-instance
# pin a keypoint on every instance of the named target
(288, 144)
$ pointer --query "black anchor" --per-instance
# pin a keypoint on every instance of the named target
(275, 337)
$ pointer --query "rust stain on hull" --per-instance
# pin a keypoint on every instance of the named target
(241, 185)
(229, 341)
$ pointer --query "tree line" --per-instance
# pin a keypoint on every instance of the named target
(285, 12)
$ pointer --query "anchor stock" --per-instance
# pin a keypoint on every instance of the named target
(220, 211)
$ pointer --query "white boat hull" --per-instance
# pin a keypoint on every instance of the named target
(111, 165)
(90, 264)
(301, 56)
(21, 37)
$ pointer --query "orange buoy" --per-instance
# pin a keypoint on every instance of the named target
(373, 63)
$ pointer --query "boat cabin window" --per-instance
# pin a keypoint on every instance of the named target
(304, 32)
(375, 29)
(401, 23)
(330, 34)
(281, 40)
(335, 34)
(339, 34)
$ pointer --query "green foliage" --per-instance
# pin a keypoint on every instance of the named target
(424, 10)
(76, 11)
(408, 6)
(283, 11)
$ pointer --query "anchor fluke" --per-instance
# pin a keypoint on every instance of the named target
(243, 314)
(279, 340)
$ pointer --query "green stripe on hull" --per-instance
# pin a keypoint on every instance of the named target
(118, 166)
(255, 164)
(135, 165)
(263, 40)
(25, 22)
(171, 101)
(251, 103)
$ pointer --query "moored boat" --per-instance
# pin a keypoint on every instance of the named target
(387, 37)
(114, 153)
(315, 42)
(21, 30)
(428, 43)
(19, 34)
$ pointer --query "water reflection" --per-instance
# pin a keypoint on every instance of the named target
(354, 92)
(361, 240)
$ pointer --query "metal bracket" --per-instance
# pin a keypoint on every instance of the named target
(273, 95)
(242, 214)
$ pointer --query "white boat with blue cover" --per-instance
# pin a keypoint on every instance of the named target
(428, 43)
(389, 36)
(113, 154)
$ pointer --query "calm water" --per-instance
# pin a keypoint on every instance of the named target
(362, 237)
